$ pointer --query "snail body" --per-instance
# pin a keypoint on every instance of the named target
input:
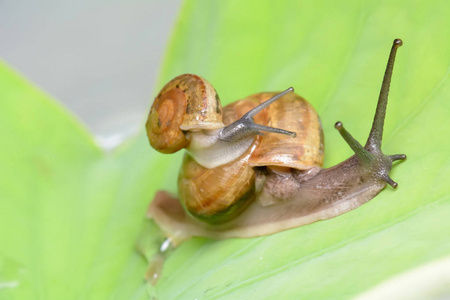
(237, 182)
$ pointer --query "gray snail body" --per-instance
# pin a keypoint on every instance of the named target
(236, 182)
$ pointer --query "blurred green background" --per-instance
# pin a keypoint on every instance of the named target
(99, 58)
(71, 213)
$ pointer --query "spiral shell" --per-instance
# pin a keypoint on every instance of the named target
(188, 102)
(292, 113)
(216, 195)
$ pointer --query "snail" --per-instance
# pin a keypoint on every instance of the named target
(254, 167)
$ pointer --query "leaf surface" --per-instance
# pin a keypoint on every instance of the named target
(71, 213)
(334, 54)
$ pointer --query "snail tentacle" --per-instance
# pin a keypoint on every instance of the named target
(376, 133)
(397, 157)
(245, 126)
(371, 156)
(257, 109)
(364, 155)
(262, 128)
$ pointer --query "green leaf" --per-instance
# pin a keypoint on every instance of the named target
(67, 227)
(71, 214)
(334, 53)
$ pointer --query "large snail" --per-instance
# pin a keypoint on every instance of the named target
(254, 167)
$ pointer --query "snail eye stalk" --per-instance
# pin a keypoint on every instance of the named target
(245, 126)
(371, 156)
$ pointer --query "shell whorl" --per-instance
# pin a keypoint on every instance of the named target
(203, 109)
(164, 120)
(292, 113)
(187, 102)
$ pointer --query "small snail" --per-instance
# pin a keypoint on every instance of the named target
(253, 167)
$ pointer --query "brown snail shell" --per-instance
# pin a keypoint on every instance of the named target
(218, 194)
(187, 102)
(292, 113)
